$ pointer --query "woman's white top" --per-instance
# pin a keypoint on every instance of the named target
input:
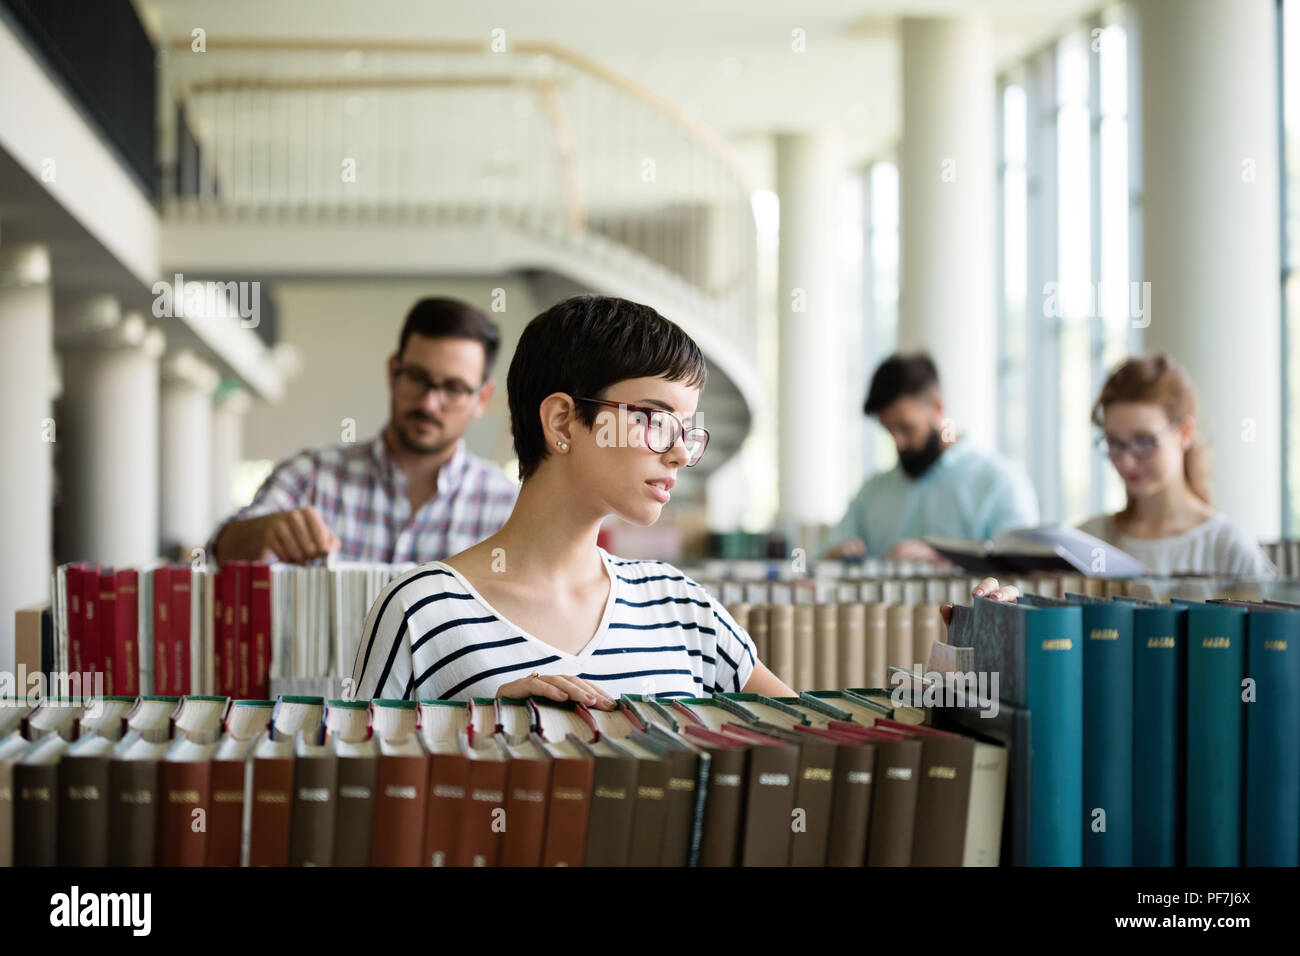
(1216, 546)
(430, 634)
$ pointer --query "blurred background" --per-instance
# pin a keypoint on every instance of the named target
(1029, 189)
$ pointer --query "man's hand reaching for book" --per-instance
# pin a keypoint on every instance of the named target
(988, 588)
(558, 687)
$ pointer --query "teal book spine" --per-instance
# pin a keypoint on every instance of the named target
(1107, 734)
(1273, 739)
(1159, 747)
(1216, 665)
(1054, 683)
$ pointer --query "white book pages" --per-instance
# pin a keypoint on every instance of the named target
(347, 719)
(441, 725)
(392, 722)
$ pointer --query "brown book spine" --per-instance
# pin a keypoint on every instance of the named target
(724, 806)
(183, 788)
(27, 639)
(315, 805)
(528, 787)
(570, 803)
(851, 638)
(132, 812)
(36, 815)
(855, 767)
(401, 795)
(769, 802)
(814, 792)
(225, 812)
(679, 817)
(354, 816)
(650, 813)
(893, 809)
(609, 821)
(804, 653)
(877, 625)
(448, 777)
(942, 801)
(268, 833)
(480, 832)
(83, 811)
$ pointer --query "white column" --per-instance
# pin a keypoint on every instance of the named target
(108, 439)
(1211, 232)
(185, 447)
(812, 406)
(26, 373)
(947, 185)
(228, 413)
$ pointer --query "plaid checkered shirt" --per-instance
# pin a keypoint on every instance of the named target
(361, 495)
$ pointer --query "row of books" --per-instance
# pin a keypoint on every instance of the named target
(1170, 729)
(180, 630)
(828, 778)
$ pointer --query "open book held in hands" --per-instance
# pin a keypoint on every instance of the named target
(1046, 548)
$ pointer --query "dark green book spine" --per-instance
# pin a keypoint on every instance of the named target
(1159, 748)
(1272, 750)
(1107, 734)
(1216, 664)
(1053, 663)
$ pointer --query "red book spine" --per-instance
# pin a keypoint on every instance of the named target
(217, 604)
(90, 656)
(180, 656)
(260, 618)
(243, 596)
(226, 679)
(76, 618)
(127, 630)
(162, 630)
(107, 614)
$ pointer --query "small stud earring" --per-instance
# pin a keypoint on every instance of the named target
(564, 446)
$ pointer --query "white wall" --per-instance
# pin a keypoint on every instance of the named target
(345, 331)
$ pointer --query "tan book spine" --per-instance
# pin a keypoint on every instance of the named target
(759, 632)
(480, 837)
(528, 790)
(988, 792)
(898, 638)
(769, 802)
(27, 639)
(724, 806)
(780, 632)
(679, 818)
(448, 777)
(877, 640)
(827, 655)
(804, 675)
(1094, 587)
(401, 792)
(650, 813)
(925, 632)
(566, 822)
(851, 637)
(814, 792)
(893, 807)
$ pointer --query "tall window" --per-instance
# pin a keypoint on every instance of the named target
(1066, 304)
(880, 299)
(1290, 64)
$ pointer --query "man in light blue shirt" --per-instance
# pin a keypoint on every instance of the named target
(941, 486)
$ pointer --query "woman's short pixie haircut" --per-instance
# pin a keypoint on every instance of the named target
(581, 347)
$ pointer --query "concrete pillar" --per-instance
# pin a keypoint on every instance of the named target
(1211, 232)
(185, 447)
(26, 478)
(813, 409)
(108, 441)
(947, 229)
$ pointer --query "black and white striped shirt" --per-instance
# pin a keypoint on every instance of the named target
(431, 635)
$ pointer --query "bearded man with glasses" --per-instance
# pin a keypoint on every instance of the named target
(412, 493)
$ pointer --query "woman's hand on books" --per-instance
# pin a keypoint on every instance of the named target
(988, 588)
(558, 687)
